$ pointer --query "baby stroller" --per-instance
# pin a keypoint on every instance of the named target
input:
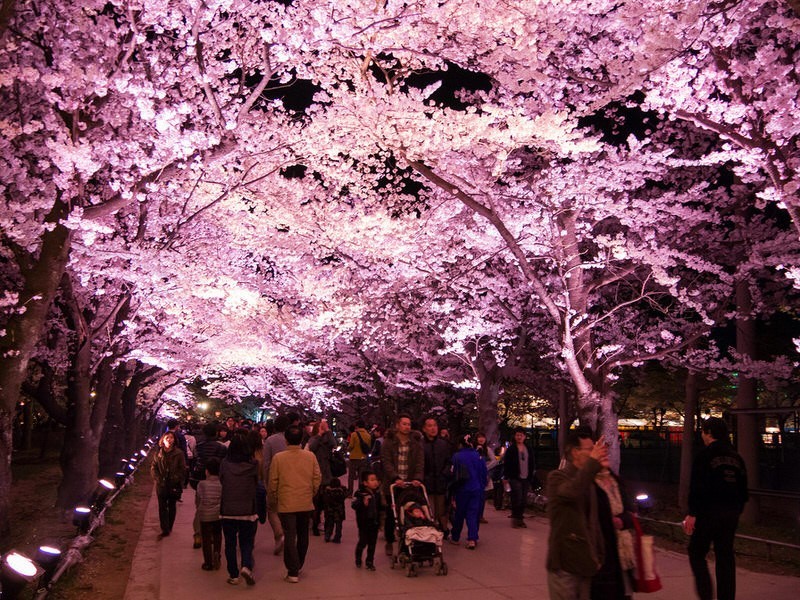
(419, 540)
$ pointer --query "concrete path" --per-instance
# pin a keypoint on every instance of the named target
(508, 563)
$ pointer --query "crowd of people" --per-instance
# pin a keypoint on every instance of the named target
(285, 473)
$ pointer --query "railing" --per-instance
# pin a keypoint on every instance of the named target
(768, 543)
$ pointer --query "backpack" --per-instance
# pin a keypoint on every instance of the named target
(197, 473)
(338, 463)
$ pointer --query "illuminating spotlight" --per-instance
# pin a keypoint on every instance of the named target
(100, 495)
(48, 558)
(119, 479)
(81, 518)
(143, 453)
(643, 503)
(16, 573)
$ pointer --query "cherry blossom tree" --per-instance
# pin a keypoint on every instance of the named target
(307, 201)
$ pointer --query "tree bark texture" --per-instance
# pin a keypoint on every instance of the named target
(691, 397)
(747, 434)
(23, 331)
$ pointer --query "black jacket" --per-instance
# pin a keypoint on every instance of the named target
(719, 480)
(367, 513)
(511, 464)
(239, 481)
(437, 464)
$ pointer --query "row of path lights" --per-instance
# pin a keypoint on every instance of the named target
(38, 574)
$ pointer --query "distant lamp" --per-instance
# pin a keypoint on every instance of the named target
(143, 452)
(119, 479)
(81, 518)
(16, 572)
(47, 557)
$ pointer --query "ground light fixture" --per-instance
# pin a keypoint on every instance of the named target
(47, 557)
(643, 502)
(16, 573)
(81, 518)
(100, 495)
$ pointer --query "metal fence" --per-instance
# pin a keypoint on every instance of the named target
(654, 455)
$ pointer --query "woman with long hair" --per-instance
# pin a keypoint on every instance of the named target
(168, 471)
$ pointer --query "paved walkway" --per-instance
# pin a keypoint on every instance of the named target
(509, 563)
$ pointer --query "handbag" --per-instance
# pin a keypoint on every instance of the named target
(646, 579)
(175, 490)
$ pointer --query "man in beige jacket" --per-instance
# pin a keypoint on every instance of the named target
(294, 478)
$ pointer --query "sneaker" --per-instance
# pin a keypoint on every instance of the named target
(198, 541)
(337, 540)
(454, 542)
(292, 579)
(233, 580)
(358, 563)
(370, 567)
(247, 575)
(471, 545)
(279, 545)
(217, 562)
(206, 567)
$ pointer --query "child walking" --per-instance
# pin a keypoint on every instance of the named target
(333, 506)
(368, 506)
(207, 500)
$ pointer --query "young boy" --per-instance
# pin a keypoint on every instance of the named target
(207, 500)
(333, 505)
(368, 506)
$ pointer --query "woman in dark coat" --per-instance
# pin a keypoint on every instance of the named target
(238, 474)
(321, 444)
(168, 471)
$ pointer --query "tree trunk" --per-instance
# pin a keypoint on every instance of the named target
(26, 433)
(23, 331)
(691, 396)
(6, 440)
(563, 418)
(608, 427)
(747, 435)
(79, 453)
(113, 444)
(488, 394)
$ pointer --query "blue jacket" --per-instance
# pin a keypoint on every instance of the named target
(469, 471)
